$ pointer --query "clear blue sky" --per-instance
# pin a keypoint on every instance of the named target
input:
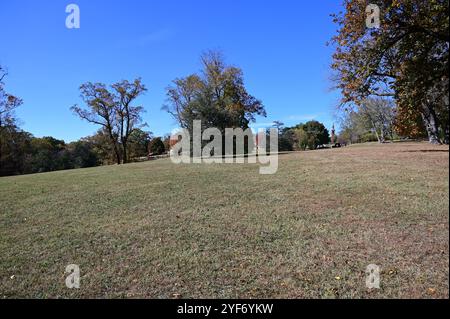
(280, 45)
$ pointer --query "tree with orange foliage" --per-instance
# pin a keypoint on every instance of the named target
(405, 58)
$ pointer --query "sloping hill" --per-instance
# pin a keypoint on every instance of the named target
(156, 229)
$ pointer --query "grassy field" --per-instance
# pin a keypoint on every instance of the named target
(160, 230)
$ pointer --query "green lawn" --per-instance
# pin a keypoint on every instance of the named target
(159, 230)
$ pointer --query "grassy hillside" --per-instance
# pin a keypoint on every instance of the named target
(161, 230)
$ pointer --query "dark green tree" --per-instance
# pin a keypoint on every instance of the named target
(217, 96)
(47, 154)
(157, 146)
(139, 142)
(316, 133)
(81, 154)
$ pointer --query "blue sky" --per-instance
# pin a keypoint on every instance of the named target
(280, 45)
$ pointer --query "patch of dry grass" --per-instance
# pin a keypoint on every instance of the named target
(161, 230)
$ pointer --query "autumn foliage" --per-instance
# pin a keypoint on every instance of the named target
(405, 59)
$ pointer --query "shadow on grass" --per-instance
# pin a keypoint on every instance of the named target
(426, 151)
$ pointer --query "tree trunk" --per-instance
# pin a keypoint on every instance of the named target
(116, 151)
(374, 127)
(125, 153)
(431, 124)
(391, 133)
(382, 135)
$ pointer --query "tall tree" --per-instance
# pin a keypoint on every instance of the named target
(113, 110)
(129, 116)
(101, 110)
(217, 96)
(8, 125)
(406, 58)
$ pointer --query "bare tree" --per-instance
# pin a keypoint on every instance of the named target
(380, 114)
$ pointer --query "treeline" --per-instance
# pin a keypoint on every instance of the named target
(120, 139)
(22, 153)
(217, 96)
